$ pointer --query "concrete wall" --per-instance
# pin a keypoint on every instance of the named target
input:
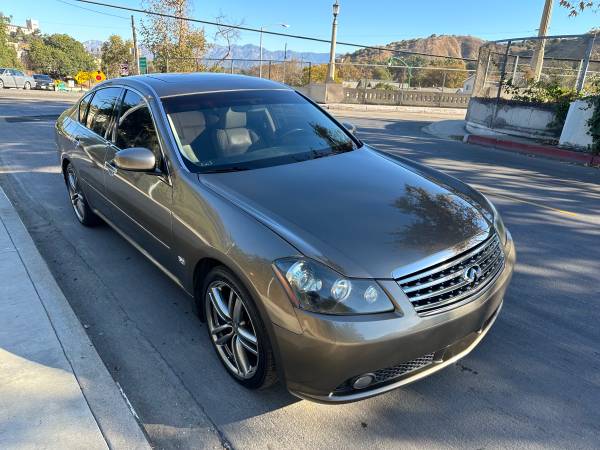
(337, 93)
(323, 92)
(525, 121)
(406, 98)
(575, 132)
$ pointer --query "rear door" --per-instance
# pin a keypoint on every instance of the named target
(141, 200)
(95, 119)
(8, 78)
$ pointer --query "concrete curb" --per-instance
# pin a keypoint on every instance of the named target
(536, 149)
(109, 407)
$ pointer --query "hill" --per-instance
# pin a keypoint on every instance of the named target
(443, 45)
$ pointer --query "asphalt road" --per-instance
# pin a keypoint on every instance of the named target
(534, 382)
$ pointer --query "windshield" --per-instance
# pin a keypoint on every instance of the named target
(41, 77)
(240, 130)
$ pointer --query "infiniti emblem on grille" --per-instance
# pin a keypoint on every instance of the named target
(472, 273)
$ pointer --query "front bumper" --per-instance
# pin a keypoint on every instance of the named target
(334, 349)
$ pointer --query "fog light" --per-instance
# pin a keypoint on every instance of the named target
(363, 381)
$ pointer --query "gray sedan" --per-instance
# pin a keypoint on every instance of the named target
(314, 259)
(15, 78)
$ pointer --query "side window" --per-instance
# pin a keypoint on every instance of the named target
(135, 127)
(83, 107)
(18, 73)
(101, 109)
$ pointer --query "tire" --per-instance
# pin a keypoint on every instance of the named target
(249, 363)
(27, 85)
(80, 205)
(1, 84)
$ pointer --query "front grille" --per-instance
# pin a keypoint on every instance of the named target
(389, 373)
(444, 286)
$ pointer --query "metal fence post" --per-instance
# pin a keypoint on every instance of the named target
(231, 68)
(443, 80)
(500, 83)
(284, 70)
(309, 71)
(586, 63)
(514, 74)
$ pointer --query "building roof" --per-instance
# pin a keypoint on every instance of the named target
(170, 84)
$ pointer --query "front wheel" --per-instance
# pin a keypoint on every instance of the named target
(27, 85)
(81, 207)
(1, 84)
(236, 330)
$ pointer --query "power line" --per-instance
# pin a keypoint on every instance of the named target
(273, 33)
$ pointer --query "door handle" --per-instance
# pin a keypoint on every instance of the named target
(112, 170)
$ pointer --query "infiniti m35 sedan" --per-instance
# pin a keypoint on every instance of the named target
(314, 259)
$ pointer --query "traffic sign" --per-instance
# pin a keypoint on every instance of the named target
(143, 65)
(124, 69)
(98, 76)
(82, 77)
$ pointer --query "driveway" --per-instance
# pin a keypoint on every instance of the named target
(534, 382)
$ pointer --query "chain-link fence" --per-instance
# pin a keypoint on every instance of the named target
(292, 72)
(564, 62)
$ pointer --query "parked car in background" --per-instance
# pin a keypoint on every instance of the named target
(15, 78)
(43, 81)
(312, 257)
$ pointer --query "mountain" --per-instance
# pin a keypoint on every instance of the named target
(443, 45)
(93, 46)
(251, 51)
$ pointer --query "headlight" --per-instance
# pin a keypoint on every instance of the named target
(314, 287)
(498, 223)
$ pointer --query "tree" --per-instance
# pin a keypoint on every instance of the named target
(115, 51)
(8, 54)
(175, 43)
(576, 7)
(59, 55)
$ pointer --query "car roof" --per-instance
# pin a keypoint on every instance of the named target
(172, 84)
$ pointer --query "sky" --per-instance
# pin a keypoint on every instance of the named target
(360, 21)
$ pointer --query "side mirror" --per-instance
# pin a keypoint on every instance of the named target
(350, 127)
(138, 159)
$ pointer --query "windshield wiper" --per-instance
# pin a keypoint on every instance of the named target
(226, 169)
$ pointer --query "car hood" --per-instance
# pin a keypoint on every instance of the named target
(362, 213)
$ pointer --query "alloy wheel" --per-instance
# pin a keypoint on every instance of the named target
(75, 194)
(231, 329)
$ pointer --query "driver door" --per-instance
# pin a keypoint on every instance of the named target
(141, 201)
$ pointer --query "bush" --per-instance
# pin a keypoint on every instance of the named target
(545, 93)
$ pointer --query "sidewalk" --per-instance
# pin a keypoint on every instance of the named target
(55, 392)
(455, 129)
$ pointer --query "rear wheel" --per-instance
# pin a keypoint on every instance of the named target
(1, 84)
(236, 330)
(79, 203)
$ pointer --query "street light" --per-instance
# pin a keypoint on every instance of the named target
(331, 71)
(284, 25)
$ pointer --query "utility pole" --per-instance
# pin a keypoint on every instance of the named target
(261, 54)
(135, 48)
(538, 57)
(331, 71)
